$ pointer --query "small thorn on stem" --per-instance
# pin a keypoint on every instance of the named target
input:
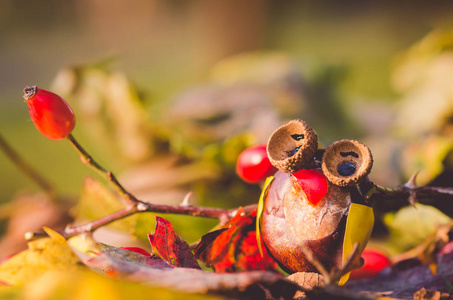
(412, 199)
(186, 200)
(85, 160)
(412, 181)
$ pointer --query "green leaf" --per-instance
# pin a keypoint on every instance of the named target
(426, 156)
(410, 226)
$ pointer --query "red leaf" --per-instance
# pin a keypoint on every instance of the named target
(168, 245)
(114, 261)
(234, 248)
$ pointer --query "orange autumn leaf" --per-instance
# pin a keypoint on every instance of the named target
(234, 248)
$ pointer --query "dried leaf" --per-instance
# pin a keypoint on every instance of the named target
(235, 249)
(29, 213)
(155, 271)
(406, 278)
(125, 260)
(43, 255)
(87, 285)
(424, 294)
(168, 245)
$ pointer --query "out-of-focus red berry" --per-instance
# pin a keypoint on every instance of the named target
(253, 165)
(137, 250)
(52, 116)
(374, 262)
(313, 183)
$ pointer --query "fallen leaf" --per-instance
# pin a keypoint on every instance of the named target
(404, 279)
(132, 266)
(127, 259)
(234, 248)
(87, 285)
(43, 255)
(168, 245)
(424, 294)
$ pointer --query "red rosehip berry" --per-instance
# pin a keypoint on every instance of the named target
(374, 263)
(137, 250)
(52, 116)
(313, 183)
(253, 165)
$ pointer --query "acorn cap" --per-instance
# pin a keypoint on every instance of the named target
(347, 162)
(292, 146)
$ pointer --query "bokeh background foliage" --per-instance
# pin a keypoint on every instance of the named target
(167, 94)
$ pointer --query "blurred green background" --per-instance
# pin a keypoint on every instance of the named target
(342, 65)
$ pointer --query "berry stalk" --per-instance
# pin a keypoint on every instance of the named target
(109, 176)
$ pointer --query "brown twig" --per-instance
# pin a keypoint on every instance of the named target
(135, 205)
(412, 191)
(222, 215)
(26, 168)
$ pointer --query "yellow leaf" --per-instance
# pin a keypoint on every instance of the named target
(359, 226)
(52, 253)
(87, 285)
(260, 209)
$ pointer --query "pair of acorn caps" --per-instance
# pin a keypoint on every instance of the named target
(293, 146)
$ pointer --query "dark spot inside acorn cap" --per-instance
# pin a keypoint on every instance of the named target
(294, 151)
(297, 137)
(347, 168)
(346, 162)
(292, 146)
(350, 153)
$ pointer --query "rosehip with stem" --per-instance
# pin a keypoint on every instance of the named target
(253, 165)
(52, 116)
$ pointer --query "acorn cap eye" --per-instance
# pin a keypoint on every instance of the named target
(347, 162)
(292, 146)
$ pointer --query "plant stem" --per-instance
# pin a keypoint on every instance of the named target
(420, 191)
(26, 168)
(109, 176)
(215, 213)
(135, 205)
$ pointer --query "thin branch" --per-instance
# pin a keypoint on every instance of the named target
(26, 168)
(223, 215)
(406, 191)
(109, 176)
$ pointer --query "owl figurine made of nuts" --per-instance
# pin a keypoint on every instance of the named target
(318, 199)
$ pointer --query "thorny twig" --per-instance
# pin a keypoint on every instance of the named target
(412, 191)
(408, 191)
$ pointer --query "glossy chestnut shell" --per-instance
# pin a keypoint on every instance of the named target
(289, 220)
